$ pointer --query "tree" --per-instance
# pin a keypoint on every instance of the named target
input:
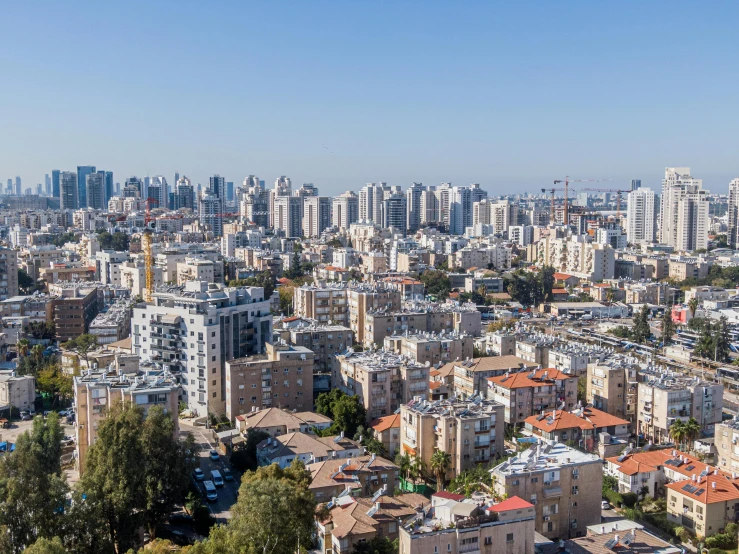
(245, 459)
(135, 472)
(692, 431)
(677, 432)
(418, 468)
(582, 388)
(668, 327)
(437, 283)
(46, 546)
(30, 497)
(83, 345)
(23, 347)
(693, 306)
(40, 330)
(403, 461)
(26, 283)
(377, 545)
(52, 380)
(263, 279)
(347, 412)
(440, 461)
(274, 514)
(641, 331)
(47, 435)
(547, 282)
(296, 269)
(61, 240)
(286, 298)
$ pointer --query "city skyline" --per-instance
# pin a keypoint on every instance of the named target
(507, 96)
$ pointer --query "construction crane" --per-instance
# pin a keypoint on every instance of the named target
(567, 182)
(618, 192)
(146, 240)
(552, 213)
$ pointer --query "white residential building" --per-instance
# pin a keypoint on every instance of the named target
(733, 212)
(683, 211)
(641, 216)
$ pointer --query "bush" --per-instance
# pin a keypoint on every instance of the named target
(629, 499)
(716, 551)
(721, 540)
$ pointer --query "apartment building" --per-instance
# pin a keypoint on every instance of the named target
(432, 347)
(360, 476)
(325, 341)
(38, 307)
(280, 378)
(8, 273)
(382, 380)
(501, 344)
(525, 394)
(459, 525)
(366, 299)
(471, 432)
(75, 308)
(573, 357)
(193, 330)
(612, 386)
(470, 376)
(96, 391)
(664, 397)
(726, 439)
(326, 304)
(283, 450)
(276, 421)
(576, 256)
(535, 349)
(387, 431)
(563, 484)
(17, 391)
(113, 325)
(646, 293)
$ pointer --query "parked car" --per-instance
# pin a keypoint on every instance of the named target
(605, 505)
(25, 416)
(198, 474)
(214, 456)
(210, 491)
(227, 475)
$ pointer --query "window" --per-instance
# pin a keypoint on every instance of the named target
(214, 395)
(213, 334)
(488, 541)
(509, 537)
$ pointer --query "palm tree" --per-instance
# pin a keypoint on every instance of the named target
(37, 352)
(677, 432)
(440, 461)
(692, 431)
(403, 461)
(418, 469)
(23, 347)
(693, 306)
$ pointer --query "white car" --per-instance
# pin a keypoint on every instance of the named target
(605, 505)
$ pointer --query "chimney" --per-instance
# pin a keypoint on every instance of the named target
(377, 505)
(713, 485)
(617, 539)
(615, 526)
(602, 529)
(715, 471)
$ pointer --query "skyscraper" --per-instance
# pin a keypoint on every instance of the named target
(370, 202)
(460, 210)
(184, 195)
(55, 183)
(47, 184)
(159, 190)
(69, 189)
(108, 186)
(230, 191)
(209, 212)
(217, 188)
(287, 215)
(133, 188)
(82, 172)
(18, 186)
(316, 215)
(640, 216)
(345, 210)
(9, 190)
(683, 211)
(635, 184)
(733, 213)
(413, 203)
(395, 213)
(283, 187)
(95, 187)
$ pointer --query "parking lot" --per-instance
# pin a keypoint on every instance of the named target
(227, 494)
(17, 428)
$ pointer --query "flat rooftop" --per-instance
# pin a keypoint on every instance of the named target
(542, 456)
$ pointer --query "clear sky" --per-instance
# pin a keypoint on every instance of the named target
(508, 94)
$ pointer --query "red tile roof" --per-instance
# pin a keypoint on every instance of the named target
(652, 460)
(512, 503)
(561, 276)
(449, 496)
(704, 492)
(521, 380)
(384, 423)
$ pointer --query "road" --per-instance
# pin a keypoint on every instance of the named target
(221, 508)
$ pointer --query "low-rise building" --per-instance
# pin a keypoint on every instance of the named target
(75, 308)
(113, 325)
(612, 386)
(280, 378)
(471, 375)
(726, 441)
(564, 484)
(284, 449)
(471, 432)
(17, 391)
(325, 341)
(524, 394)
(432, 347)
(276, 422)
(360, 476)
(387, 431)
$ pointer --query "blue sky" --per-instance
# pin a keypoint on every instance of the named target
(511, 95)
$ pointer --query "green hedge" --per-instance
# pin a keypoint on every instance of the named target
(613, 497)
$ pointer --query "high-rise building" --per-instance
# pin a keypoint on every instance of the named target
(18, 186)
(345, 210)
(460, 210)
(229, 191)
(184, 195)
(683, 211)
(370, 202)
(641, 216)
(47, 184)
(95, 188)
(635, 184)
(255, 203)
(159, 191)
(413, 204)
(283, 187)
(133, 188)
(395, 213)
(109, 186)
(217, 188)
(209, 211)
(82, 172)
(733, 213)
(443, 194)
(316, 215)
(55, 183)
(69, 189)
(287, 215)
(429, 206)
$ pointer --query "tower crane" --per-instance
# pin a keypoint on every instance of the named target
(618, 192)
(146, 240)
(567, 182)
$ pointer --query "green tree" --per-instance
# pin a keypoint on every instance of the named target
(30, 497)
(440, 461)
(582, 388)
(40, 330)
(677, 432)
(286, 298)
(26, 283)
(263, 279)
(721, 340)
(245, 459)
(47, 434)
(437, 283)
(668, 327)
(692, 431)
(83, 345)
(46, 546)
(61, 240)
(547, 282)
(693, 306)
(120, 242)
(347, 412)
(641, 331)
(403, 461)
(296, 268)
(23, 347)
(274, 513)
(377, 545)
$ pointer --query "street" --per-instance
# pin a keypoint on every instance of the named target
(227, 494)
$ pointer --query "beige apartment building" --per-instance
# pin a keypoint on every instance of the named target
(17, 391)
(665, 397)
(470, 432)
(459, 525)
(470, 376)
(564, 484)
(280, 378)
(325, 341)
(326, 304)
(432, 347)
(727, 445)
(612, 386)
(382, 380)
(96, 391)
(369, 298)
(529, 393)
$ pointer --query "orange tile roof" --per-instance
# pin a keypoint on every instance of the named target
(562, 276)
(652, 460)
(384, 423)
(435, 384)
(521, 380)
(559, 291)
(603, 286)
(512, 503)
(726, 488)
